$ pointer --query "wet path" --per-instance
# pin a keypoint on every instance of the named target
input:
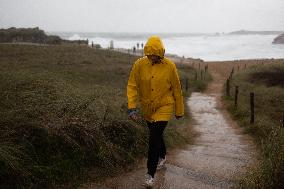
(221, 153)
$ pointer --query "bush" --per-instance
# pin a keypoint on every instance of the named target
(267, 129)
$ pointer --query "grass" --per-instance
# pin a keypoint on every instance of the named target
(197, 80)
(266, 81)
(58, 104)
(63, 112)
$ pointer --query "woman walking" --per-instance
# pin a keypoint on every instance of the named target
(155, 82)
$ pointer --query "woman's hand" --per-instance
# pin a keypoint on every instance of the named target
(132, 114)
(133, 117)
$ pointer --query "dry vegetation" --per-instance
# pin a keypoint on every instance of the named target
(266, 81)
(63, 112)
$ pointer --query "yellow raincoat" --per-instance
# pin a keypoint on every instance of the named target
(156, 85)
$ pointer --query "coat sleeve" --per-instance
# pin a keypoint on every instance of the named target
(132, 87)
(177, 92)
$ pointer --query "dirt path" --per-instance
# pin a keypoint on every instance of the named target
(219, 156)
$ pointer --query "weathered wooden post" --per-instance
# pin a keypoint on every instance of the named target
(283, 119)
(251, 108)
(245, 66)
(195, 75)
(231, 74)
(186, 84)
(236, 96)
(129, 56)
(201, 75)
(228, 87)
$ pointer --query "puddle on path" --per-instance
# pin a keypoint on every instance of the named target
(219, 156)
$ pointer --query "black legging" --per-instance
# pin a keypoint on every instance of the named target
(157, 148)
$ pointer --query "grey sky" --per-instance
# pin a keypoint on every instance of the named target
(143, 15)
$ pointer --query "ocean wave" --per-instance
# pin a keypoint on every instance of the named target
(75, 37)
(207, 47)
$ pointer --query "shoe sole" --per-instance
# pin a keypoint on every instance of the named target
(161, 167)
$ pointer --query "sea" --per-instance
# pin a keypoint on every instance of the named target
(208, 47)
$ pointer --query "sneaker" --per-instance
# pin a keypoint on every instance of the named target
(161, 163)
(149, 181)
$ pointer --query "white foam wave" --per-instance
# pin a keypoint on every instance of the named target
(75, 37)
(207, 47)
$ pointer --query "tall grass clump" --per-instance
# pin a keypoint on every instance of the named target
(266, 81)
(63, 113)
(62, 110)
(197, 81)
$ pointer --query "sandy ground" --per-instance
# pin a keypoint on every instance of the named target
(221, 153)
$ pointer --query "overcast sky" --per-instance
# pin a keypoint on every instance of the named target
(143, 15)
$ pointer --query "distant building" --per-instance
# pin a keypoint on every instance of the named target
(111, 46)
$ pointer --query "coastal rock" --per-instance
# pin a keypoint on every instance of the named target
(279, 39)
(247, 32)
(19, 35)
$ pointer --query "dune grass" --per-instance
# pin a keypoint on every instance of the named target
(63, 112)
(266, 81)
(197, 81)
(63, 108)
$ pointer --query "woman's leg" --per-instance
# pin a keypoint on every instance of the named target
(163, 150)
(156, 130)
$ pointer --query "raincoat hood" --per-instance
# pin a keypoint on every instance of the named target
(154, 46)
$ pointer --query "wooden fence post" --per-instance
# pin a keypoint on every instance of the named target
(186, 84)
(283, 119)
(206, 68)
(201, 74)
(228, 87)
(232, 72)
(236, 96)
(195, 75)
(251, 108)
